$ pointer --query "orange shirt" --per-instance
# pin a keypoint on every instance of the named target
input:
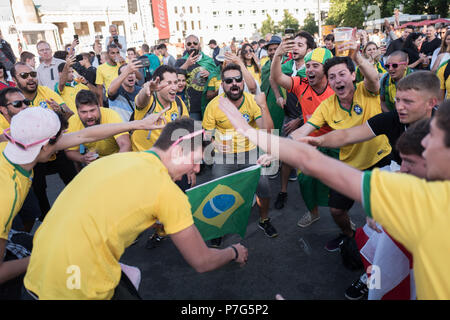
(310, 100)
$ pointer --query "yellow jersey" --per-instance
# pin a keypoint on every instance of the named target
(417, 214)
(445, 84)
(69, 93)
(16, 183)
(44, 93)
(76, 250)
(103, 147)
(106, 73)
(142, 140)
(4, 124)
(365, 105)
(256, 75)
(214, 118)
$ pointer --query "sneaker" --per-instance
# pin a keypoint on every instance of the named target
(274, 176)
(293, 175)
(215, 243)
(333, 245)
(357, 290)
(154, 240)
(307, 220)
(268, 228)
(281, 200)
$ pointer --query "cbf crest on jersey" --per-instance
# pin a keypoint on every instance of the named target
(358, 110)
(222, 206)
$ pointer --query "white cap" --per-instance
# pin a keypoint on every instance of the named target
(28, 126)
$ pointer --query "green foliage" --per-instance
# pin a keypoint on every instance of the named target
(310, 24)
(288, 21)
(268, 26)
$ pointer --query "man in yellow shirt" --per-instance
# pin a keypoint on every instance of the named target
(44, 97)
(68, 87)
(156, 95)
(40, 96)
(106, 215)
(90, 114)
(416, 212)
(234, 151)
(443, 74)
(108, 71)
(350, 106)
(26, 148)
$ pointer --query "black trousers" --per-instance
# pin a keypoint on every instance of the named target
(62, 166)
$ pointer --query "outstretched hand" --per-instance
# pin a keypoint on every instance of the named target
(154, 121)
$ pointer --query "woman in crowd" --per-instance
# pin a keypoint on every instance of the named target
(4, 83)
(441, 54)
(412, 46)
(251, 62)
(373, 54)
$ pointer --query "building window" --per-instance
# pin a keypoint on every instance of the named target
(229, 13)
(175, 9)
(192, 25)
(216, 28)
(253, 12)
(178, 26)
(240, 12)
(230, 26)
(241, 26)
(215, 13)
(199, 25)
(198, 9)
(190, 10)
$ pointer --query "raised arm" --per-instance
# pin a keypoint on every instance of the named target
(132, 67)
(265, 122)
(275, 70)
(103, 131)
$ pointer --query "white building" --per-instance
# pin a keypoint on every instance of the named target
(224, 19)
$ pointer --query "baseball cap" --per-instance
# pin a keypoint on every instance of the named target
(273, 40)
(319, 55)
(27, 127)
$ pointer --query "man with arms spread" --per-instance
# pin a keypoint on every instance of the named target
(114, 212)
(34, 136)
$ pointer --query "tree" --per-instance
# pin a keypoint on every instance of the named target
(346, 13)
(268, 26)
(288, 21)
(310, 24)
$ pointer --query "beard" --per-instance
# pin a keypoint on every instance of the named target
(234, 96)
(85, 122)
(25, 88)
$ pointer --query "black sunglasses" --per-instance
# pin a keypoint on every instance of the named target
(191, 43)
(19, 103)
(230, 80)
(248, 51)
(25, 75)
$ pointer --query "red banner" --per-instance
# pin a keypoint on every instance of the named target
(160, 18)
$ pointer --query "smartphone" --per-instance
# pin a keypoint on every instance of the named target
(78, 57)
(289, 33)
(144, 61)
(116, 39)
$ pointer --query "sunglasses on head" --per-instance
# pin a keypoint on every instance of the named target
(394, 65)
(21, 145)
(191, 43)
(188, 136)
(19, 103)
(230, 80)
(25, 75)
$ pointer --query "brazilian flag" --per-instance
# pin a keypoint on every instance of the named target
(222, 206)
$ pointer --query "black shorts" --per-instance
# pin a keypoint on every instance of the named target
(339, 201)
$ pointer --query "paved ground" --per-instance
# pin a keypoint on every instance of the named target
(294, 264)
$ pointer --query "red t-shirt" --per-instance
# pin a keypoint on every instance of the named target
(4, 85)
(310, 100)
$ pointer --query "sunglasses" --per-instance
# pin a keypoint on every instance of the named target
(19, 103)
(394, 65)
(188, 136)
(248, 51)
(21, 145)
(25, 75)
(230, 80)
(191, 43)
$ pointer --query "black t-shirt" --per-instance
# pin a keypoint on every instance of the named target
(195, 85)
(428, 47)
(388, 123)
(395, 45)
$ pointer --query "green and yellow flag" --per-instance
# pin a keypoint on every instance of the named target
(222, 206)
